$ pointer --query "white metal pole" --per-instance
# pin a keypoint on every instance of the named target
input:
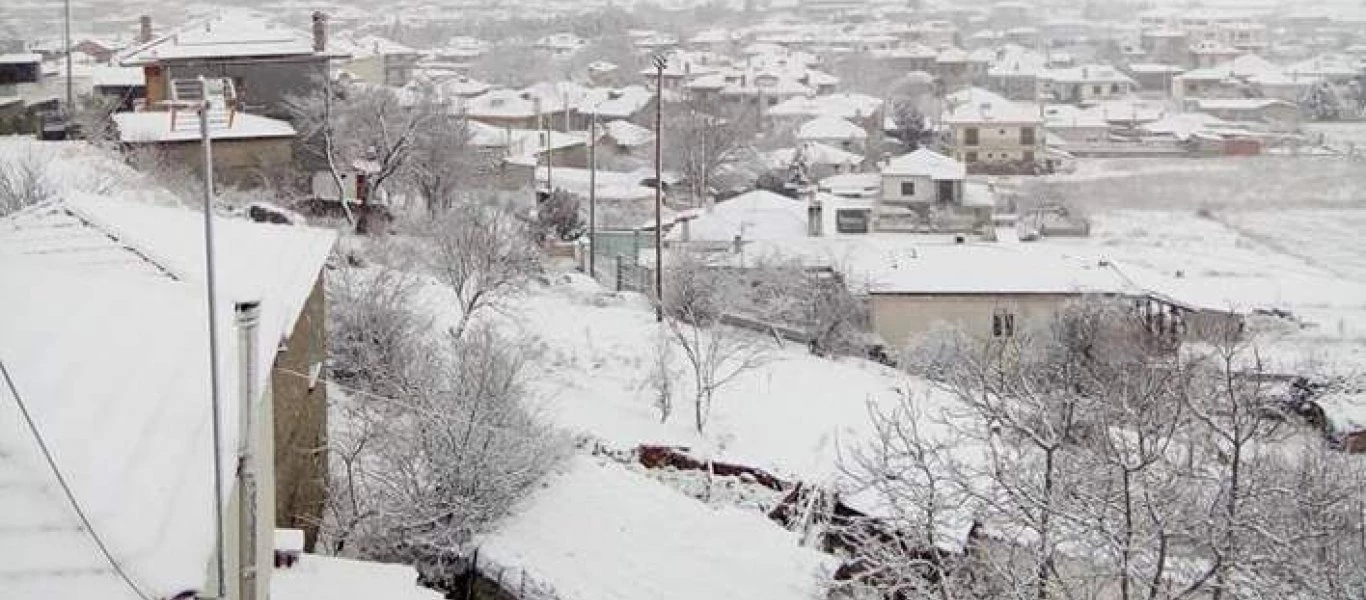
(212, 290)
(593, 194)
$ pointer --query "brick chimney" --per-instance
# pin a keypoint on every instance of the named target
(319, 31)
(144, 29)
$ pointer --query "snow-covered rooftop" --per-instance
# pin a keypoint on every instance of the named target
(600, 532)
(979, 269)
(225, 34)
(830, 128)
(156, 126)
(926, 163)
(317, 577)
(627, 133)
(754, 216)
(130, 431)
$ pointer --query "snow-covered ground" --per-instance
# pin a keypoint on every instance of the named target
(317, 577)
(598, 531)
(791, 416)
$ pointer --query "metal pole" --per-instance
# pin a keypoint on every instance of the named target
(660, 62)
(66, 33)
(593, 194)
(213, 339)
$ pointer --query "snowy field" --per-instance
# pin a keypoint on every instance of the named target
(1341, 134)
(1252, 233)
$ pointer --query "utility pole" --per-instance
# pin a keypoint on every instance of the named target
(212, 293)
(660, 63)
(66, 34)
(593, 194)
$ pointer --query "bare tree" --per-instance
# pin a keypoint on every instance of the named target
(715, 354)
(442, 161)
(483, 252)
(23, 182)
(702, 141)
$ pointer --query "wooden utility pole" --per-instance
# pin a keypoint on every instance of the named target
(593, 193)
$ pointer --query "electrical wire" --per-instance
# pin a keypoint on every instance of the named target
(66, 489)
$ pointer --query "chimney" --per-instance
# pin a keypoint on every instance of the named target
(319, 31)
(144, 29)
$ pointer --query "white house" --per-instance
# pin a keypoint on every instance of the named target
(833, 131)
(751, 217)
(1088, 84)
(117, 384)
(985, 130)
(924, 191)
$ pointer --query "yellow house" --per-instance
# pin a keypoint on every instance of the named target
(984, 131)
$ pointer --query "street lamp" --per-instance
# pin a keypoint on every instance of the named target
(660, 62)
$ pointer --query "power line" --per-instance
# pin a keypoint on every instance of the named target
(411, 406)
(66, 489)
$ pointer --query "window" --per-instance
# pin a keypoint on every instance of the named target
(970, 157)
(908, 188)
(1096, 90)
(852, 220)
(1029, 156)
(1027, 136)
(1114, 88)
(1002, 324)
(970, 136)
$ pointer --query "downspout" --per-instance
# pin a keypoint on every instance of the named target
(247, 317)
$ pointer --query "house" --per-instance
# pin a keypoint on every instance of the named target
(816, 159)
(624, 138)
(122, 85)
(268, 63)
(834, 132)
(631, 103)
(1015, 73)
(860, 109)
(1265, 110)
(1209, 53)
(504, 108)
(756, 216)
(380, 61)
(23, 67)
(1088, 84)
(244, 145)
(1155, 78)
(1075, 125)
(997, 292)
(986, 131)
(924, 191)
(118, 385)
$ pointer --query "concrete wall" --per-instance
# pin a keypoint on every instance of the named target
(262, 84)
(235, 162)
(301, 423)
(996, 143)
(926, 190)
(902, 319)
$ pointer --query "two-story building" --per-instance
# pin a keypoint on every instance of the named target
(267, 62)
(986, 131)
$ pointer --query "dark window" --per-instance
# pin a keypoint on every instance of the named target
(1027, 136)
(1114, 88)
(1029, 156)
(1002, 324)
(970, 157)
(908, 188)
(1095, 90)
(852, 220)
(970, 136)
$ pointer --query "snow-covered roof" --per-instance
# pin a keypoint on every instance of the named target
(614, 103)
(852, 184)
(20, 58)
(598, 531)
(926, 163)
(129, 431)
(986, 109)
(107, 76)
(1015, 61)
(462, 86)
(753, 216)
(501, 104)
(1154, 69)
(627, 133)
(814, 153)
(556, 96)
(156, 126)
(830, 128)
(1088, 74)
(226, 34)
(1238, 103)
(1067, 116)
(1183, 125)
(844, 106)
(365, 46)
(316, 577)
(981, 269)
(611, 185)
